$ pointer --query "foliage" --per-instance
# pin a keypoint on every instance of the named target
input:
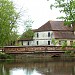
(28, 34)
(64, 44)
(5, 56)
(8, 20)
(28, 29)
(69, 53)
(54, 41)
(73, 45)
(28, 24)
(67, 7)
(13, 38)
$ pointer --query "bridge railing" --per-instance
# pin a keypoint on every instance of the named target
(32, 49)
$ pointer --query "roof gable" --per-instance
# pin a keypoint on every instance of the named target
(45, 27)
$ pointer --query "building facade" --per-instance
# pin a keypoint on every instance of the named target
(50, 34)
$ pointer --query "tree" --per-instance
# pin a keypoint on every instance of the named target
(8, 20)
(13, 38)
(28, 24)
(28, 34)
(67, 7)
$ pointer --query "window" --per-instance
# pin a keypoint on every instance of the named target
(37, 35)
(59, 42)
(48, 42)
(28, 42)
(71, 43)
(22, 42)
(51, 35)
(48, 34)
(37, 42)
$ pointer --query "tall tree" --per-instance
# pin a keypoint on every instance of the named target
(28, 24)
(67, 7)
(8, 20)
(13, 38)
(29, 33)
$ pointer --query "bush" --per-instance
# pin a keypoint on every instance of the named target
(64, 44)
(69, 53)
(5, 56)
(73, 45)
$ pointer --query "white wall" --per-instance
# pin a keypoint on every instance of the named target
(25, 43)
(42, 39)
(42, 35)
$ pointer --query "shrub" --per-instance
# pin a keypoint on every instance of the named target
(69, 53)
(64, 44)
(5, 56)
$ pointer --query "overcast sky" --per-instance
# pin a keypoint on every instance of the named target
(38, 10)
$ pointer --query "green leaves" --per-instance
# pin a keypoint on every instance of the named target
(64, 44)
(68, 8)
(28, 34)
(54, 41)
(8, 20)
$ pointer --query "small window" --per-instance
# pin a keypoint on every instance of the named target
(48, 34)
(59, 42)
(22, 42)
(37, 35)
(48, 42)
(71, 43)
(28, 42)
(51, 35)
(65, 41)
(37, 42)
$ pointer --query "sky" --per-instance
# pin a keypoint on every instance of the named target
(37, 10)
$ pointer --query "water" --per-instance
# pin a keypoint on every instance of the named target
(51, 67)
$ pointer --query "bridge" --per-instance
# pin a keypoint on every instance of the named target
(46, 50)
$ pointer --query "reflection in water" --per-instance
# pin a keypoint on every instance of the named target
(38, 68)
(23, 72)
(17, 72)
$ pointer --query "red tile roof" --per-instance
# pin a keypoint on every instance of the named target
(26, 39)
(45, 27)
(59, 25)
(63, 35)
(54, 26)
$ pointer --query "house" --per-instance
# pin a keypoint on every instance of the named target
(50, 34)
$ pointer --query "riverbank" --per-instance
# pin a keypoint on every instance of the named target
(39, 59)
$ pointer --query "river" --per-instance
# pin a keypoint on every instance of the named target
(51, 67)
